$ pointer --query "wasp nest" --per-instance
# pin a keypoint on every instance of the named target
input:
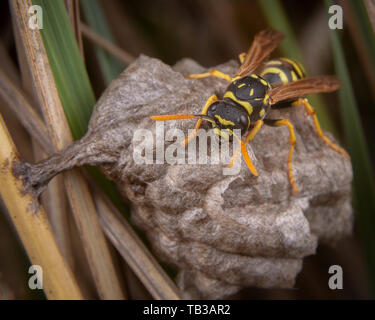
(222, 232)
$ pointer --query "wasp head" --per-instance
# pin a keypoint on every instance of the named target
(223, 115)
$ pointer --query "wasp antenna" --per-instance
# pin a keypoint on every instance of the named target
(205, 117)
(173, 117)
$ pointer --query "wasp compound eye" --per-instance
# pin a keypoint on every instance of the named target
(213, 108)
(243, 120)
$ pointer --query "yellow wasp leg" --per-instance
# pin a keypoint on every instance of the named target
(209, 101)
(242, 56)
(292, 141)
(213, 73)
(250, 136)
(310, 111)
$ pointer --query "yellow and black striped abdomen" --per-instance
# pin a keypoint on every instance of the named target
(282, 70)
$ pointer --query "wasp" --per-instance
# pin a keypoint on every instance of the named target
(250, 96)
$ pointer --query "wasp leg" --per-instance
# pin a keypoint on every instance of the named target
(209, 101)
(250, 136)
(213, 73)
(242, 56)
(310, 111)
(292, 141)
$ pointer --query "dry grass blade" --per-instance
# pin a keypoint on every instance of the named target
(57, 208)
(54, 199)
(72, 7)
(135, 253)
(19, 135)
(97, 251)
(33, 227)
(28, 117)
(107, 45)
(119, 232)
(362, 36)
(370, 6)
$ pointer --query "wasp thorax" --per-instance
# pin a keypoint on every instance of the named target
(249, 87)
(250, 93)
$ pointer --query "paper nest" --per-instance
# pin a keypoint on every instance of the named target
(221, 232)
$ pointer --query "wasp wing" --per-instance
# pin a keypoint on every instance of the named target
(264, 43)
(303, 87)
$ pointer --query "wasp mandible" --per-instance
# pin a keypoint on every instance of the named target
(249, 97)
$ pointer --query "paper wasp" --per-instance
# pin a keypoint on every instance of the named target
(249, 97)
